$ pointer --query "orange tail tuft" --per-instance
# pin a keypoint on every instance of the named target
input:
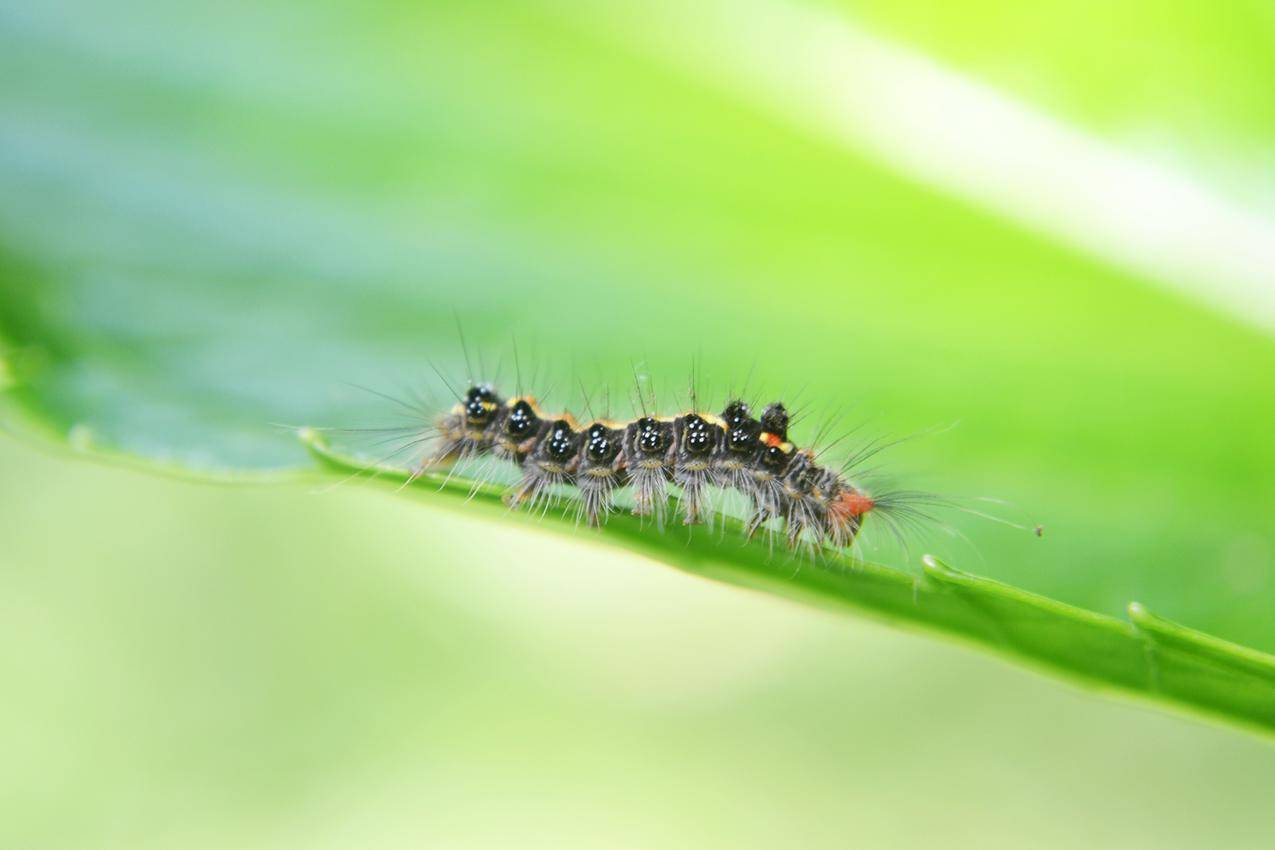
(852, 504)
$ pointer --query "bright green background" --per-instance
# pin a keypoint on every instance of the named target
(212, 218)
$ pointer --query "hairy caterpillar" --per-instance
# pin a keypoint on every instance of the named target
(693, 451)
(604, 464)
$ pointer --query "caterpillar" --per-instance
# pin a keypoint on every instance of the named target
(693, 451)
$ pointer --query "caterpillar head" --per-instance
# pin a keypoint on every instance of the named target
(736, 413)
(774, 422)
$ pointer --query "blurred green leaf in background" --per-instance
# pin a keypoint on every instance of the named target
(1051, 224)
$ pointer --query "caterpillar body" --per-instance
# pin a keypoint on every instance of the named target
(694, 451)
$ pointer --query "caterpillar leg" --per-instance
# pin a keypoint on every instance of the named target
(535, 490)
(597, 500)
(694, 501)
(650, 494)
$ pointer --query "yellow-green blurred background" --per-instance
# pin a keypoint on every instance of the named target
(190, 666)
(1048, 223)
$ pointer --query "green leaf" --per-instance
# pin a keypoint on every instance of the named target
(211, 224)
(1145, 656)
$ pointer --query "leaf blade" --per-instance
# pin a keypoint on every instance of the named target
(1145, 657)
